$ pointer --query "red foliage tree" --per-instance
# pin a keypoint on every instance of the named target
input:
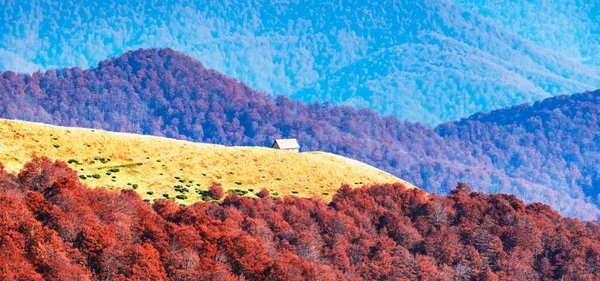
(215, 191)
(263, 193)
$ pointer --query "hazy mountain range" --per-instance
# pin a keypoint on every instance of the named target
(426, 61)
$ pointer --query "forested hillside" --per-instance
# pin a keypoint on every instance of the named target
(164, 93)
(569, 27)
(554, 142)
(421, 60)
(55, 228)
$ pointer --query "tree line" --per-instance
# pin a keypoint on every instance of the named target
(56, 228)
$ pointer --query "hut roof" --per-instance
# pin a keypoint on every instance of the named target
(286, 144)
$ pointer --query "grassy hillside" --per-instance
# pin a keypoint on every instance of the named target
(157, 166)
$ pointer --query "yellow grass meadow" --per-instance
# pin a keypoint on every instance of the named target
(160, 167)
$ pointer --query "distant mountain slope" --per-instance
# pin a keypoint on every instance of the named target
(385, 55)
(160, 166)
(554, 142)
(569, 27)
(164, 93)
(455, 80)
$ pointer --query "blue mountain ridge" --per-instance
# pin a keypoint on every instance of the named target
(425, 61)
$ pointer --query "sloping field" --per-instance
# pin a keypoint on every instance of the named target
(160, 167)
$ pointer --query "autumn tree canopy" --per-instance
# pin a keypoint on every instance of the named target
(55, 228)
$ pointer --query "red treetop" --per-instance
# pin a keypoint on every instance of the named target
(215, 191)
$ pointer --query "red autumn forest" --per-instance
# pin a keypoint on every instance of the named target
(52, 227)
